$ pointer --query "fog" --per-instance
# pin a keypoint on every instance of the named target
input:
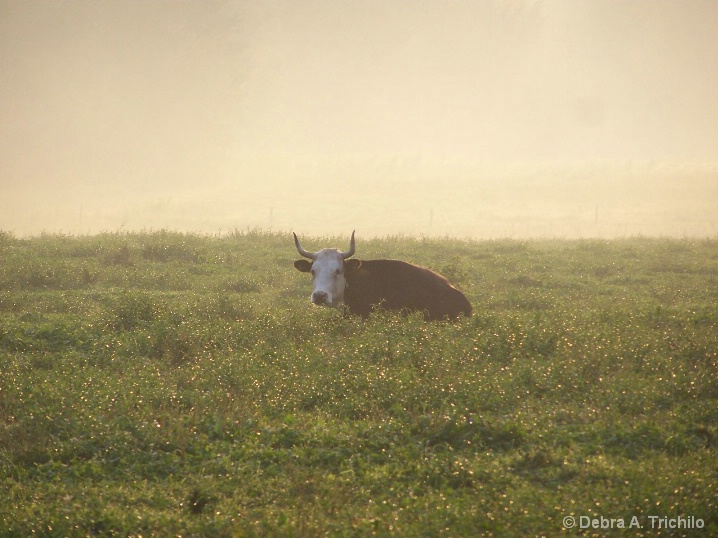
(580, 118)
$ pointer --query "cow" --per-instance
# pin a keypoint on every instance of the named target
(365, 285)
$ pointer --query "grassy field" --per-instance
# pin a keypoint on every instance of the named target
(162, 384)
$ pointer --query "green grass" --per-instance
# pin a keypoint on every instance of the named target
(163, 384)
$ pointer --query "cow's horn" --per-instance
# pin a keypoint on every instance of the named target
(302, 251)
(352, 248)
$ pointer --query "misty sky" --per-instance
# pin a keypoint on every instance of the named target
(208, 115)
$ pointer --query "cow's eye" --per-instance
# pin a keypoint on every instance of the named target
(339, 272)
(312, 272)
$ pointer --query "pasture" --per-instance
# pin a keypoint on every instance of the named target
(165, 384)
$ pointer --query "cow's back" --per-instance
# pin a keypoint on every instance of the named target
(397, 285)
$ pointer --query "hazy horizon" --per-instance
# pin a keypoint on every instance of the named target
(583, 118)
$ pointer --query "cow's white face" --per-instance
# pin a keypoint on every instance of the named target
(327, 269)
(327, 272)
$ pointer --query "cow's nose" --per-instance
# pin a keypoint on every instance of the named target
(320, 297)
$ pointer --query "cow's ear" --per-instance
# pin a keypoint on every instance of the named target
(352, 265)
(303, 265)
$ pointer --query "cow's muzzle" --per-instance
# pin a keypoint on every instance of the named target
(320, 298)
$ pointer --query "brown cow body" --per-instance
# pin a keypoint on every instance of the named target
(397, 285)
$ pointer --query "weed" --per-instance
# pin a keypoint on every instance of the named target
(170, 384)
